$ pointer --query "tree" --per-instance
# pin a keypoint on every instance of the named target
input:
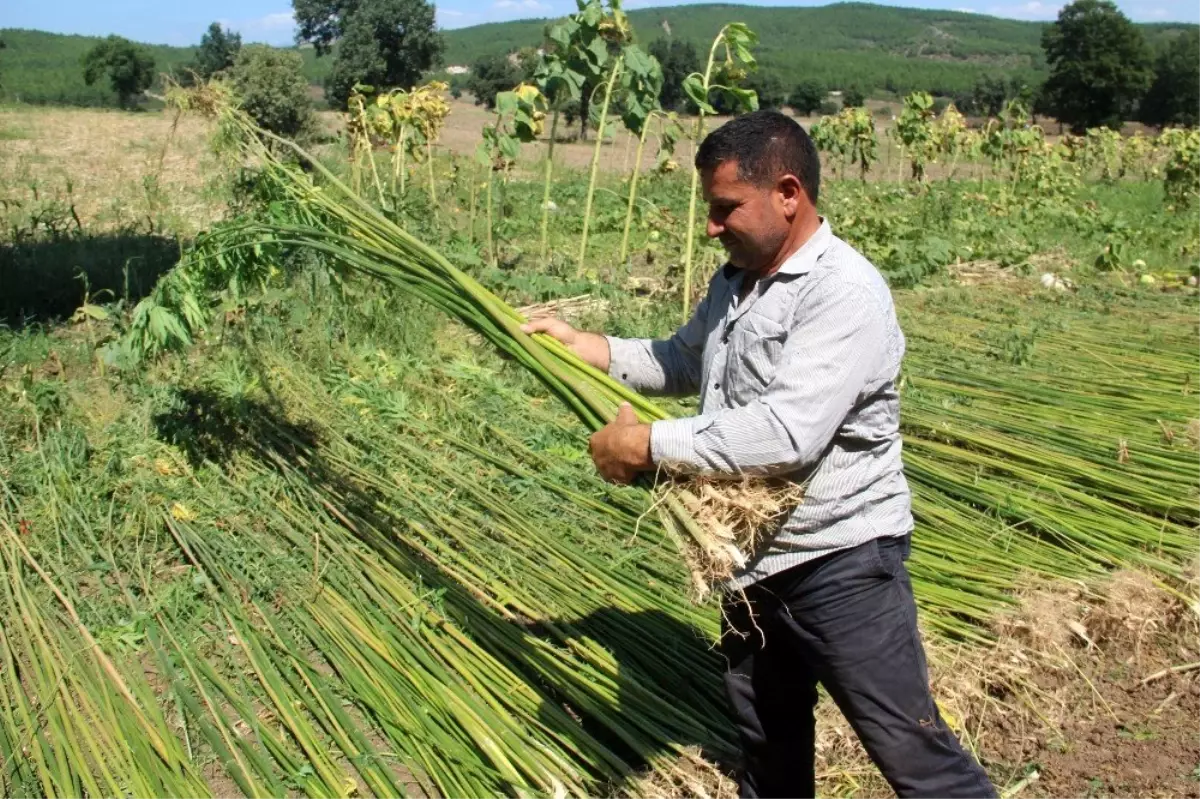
(853, 98)
(1174, 96)
(491, 75)
(769, 89)
(384, 43)
(1099, 65)
(271, 89)
(807, 96)
(218, 50)
(130, 68)
(678, 59)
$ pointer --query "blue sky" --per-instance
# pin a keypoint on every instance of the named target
(183, 21)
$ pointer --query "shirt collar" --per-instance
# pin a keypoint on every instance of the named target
(802, 260)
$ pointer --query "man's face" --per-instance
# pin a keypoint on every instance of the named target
(752, 222)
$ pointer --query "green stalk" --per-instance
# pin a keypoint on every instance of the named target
(401, 167)
(546, 186)
(491, 247)
(433, 203)
(595, 169)
(633, 183)
(471, 214)
(691, 215)
(397, 162)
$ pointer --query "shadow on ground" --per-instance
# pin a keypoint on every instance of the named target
(666, 696)
(45, 279)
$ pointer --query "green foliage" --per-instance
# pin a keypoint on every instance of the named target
(914, 128)
(270, 88)
(849, 137)
(768, 88)
(1099, 65)
(384, 43)
(991, 93)
(1174, 96)
(492, 75)
(854, 97)
(641, 86)
(807, 96)
(128, 67)
(678, 59)
(217, 52)
(1182, 172)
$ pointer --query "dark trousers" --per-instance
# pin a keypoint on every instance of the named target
(848, 622)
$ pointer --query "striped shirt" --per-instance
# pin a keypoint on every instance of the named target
(796, 379)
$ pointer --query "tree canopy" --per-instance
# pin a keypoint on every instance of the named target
(129, 67)
(1174, 96)
(807, 96)
(678, 59)
(218, 50)
(854, 97)
(1099, 65)
(494, 74)
(383, 43)
(769, 88)
(271, 89)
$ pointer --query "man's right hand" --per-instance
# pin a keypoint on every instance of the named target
(591, 347)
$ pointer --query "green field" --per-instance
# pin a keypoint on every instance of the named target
(341, 545)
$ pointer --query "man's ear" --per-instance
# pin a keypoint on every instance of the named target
(791, 194)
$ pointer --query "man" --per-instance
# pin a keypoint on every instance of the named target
(795, 351)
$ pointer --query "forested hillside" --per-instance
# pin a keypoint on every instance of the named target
(877, 48)
(872, 46)
(45, 68)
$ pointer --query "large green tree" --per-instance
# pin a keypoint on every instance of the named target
(807, 96)
(384, 43)
(854, 97)
(678, 59)
(1099, 65)
(271, 89)
(491, 75)
(129, 67)
(1174, 96)
(769, 89)
(218, 50)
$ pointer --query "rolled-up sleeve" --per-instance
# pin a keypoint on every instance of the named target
(837, 345)
(670, 367)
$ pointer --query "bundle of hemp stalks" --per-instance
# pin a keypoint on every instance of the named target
(716, 523)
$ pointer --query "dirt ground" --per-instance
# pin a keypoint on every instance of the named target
(1084, 694)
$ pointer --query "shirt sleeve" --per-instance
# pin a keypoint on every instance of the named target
(670, 367)
(836, 349)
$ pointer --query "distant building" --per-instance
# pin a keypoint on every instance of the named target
(457, 69)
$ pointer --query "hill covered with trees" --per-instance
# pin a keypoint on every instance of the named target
(871, 47)
(877, 48)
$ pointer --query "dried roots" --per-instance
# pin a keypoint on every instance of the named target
(720, 523)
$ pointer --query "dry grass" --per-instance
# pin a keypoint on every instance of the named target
(117, 169)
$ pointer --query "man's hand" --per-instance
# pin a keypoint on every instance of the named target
(622, 449)
(591, 347)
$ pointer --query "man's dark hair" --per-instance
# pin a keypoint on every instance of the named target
(766, 146)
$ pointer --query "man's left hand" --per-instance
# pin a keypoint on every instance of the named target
(621, 449)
